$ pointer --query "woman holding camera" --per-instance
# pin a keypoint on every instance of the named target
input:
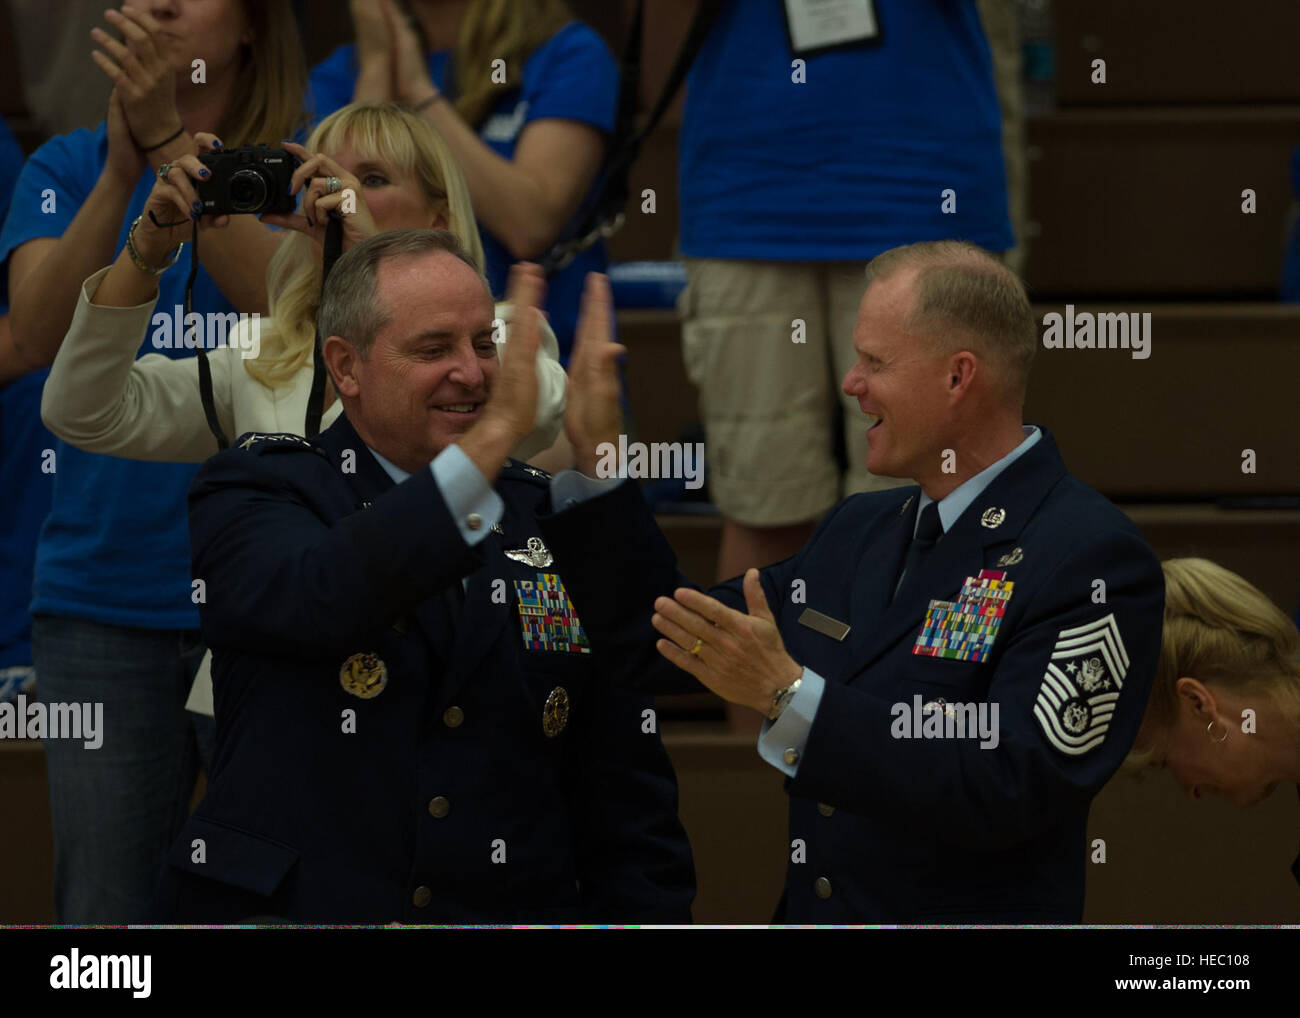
(381, 161)
(114, 622)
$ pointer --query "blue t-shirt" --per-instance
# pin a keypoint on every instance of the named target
(571, 76)
(854, 160)
(115, 546)
(24, 486)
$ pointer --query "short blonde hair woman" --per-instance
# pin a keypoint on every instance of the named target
(401, 175)
(1224, 713)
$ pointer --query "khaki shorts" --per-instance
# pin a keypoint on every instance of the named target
(768, 402)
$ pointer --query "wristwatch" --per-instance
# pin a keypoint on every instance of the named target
(782, 699)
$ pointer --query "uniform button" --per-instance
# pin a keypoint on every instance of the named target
(825, 810)
(439, 806)
(473, 521)
(791, 756)
(453, 717)
(422, 896)
(822, 887)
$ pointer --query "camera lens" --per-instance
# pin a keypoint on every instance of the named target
(247, 190)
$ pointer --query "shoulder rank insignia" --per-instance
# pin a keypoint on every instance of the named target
(964, 630)
(255, 437)
(364, 675)
(547, 617)
(535, 555)
(1081, 685)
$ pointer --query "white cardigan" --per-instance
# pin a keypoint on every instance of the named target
(100, 398)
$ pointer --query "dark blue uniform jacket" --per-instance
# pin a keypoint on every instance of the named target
(889, 829)
(440, 798)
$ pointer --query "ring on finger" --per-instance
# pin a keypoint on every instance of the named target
(163, 170)
(696, 649)
(333, 185)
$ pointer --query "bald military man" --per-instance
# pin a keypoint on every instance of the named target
(951, 670)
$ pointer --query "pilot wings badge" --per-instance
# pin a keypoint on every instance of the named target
(1081, 686)
(535, 555)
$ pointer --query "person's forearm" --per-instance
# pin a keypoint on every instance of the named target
(11, 365)
(509, 202)
(374, 83)
(125, 285)
(43, 301)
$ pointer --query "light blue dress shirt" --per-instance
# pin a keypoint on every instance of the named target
(464, 489)
(781, 743)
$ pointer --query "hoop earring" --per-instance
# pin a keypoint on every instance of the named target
(1209, 730)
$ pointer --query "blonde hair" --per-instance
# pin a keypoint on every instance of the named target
(266, 103)
(293, 279)
(509, 30)
(1220, 628)
(963, 285)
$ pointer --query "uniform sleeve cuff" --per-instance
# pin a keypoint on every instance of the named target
(470, 499)
(781, 742)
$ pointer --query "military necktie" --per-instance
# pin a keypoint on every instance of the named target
(929, 529)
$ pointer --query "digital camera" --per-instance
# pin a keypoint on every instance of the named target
(247, 181)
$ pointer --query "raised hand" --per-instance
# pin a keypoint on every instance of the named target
(125, 161)
(593, 415)
(738, 655)
(312, 179)
(374, 62)
(174, 200)
(409, 62)
(142, 74)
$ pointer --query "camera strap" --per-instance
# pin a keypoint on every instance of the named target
(316, 400)
(205, 369)
(601, 214)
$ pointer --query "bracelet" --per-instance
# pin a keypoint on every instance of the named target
(170, 138)
(139, 262)
(424, 104)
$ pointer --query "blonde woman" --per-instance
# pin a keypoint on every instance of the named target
(100, 399)
(525, 96)
(1224, 713)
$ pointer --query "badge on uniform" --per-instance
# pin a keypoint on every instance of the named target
(364, 675)
(964, 630)
(555, 713)
(547, 616)
(1081, 684)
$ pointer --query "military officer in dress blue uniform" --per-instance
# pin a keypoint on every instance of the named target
(411, 721)
(950, 671)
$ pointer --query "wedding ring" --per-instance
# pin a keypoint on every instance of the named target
(163, 170)
(333, 185)
(698, 644)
